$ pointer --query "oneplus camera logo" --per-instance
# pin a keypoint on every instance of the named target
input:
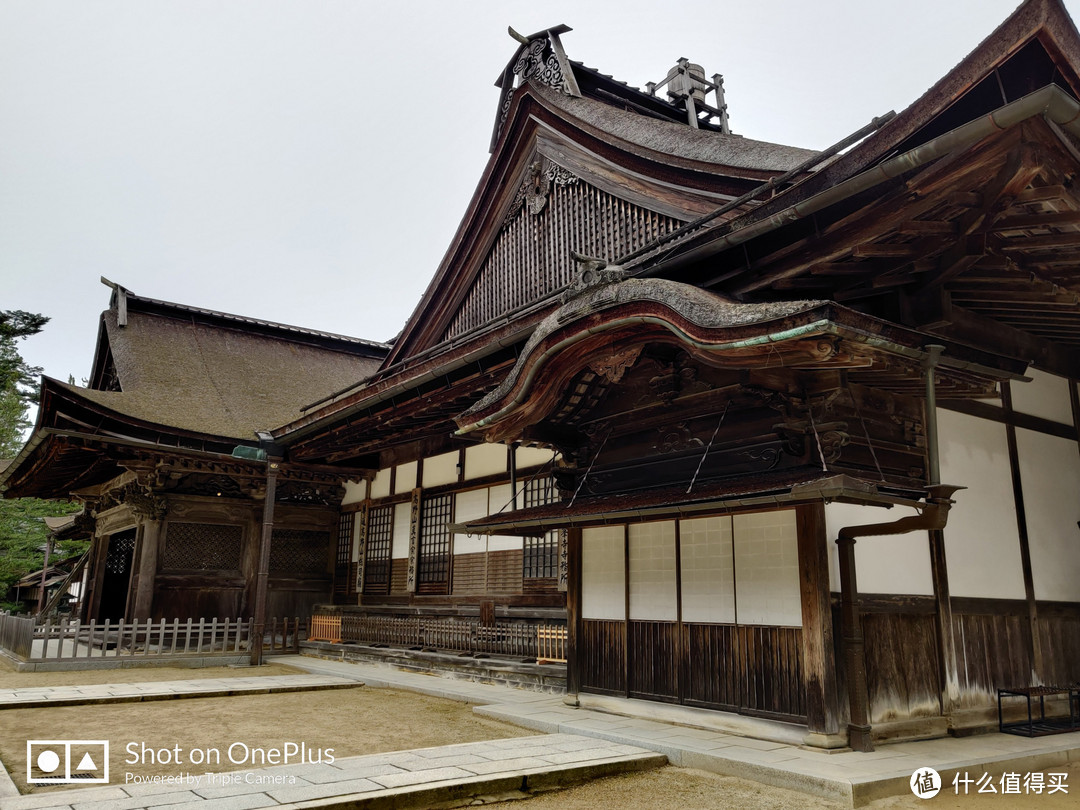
(67, 762)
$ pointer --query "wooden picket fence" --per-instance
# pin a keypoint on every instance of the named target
(546, 643)
(74, 640)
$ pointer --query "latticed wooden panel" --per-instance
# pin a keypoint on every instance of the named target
(531, 256)
(344, 583)
(299, 552)
(434, 562)
(121, 549)
(202, 547)
(380, 536)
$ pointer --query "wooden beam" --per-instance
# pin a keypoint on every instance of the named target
(1040, 194)
(1022, 222)
(997, 337)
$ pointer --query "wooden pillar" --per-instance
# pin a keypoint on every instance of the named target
(948, 672)
(573, 615)
(149, 546)
(946, 635)
(1034, 636)
(97, 576)
(854, 659)
(819, 660)
(263, 577)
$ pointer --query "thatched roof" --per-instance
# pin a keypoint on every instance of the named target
(217, 374)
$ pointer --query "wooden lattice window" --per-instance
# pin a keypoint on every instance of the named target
(380, 536)
(540, 555)
(344, 584)
(298, 552)
(539, 491)
(433, 571)
(202, 547)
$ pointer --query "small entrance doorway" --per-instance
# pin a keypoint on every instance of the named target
(114, 588)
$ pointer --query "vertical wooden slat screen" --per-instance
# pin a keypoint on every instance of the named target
(531, 256)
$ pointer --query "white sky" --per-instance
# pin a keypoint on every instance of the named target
(308, 161)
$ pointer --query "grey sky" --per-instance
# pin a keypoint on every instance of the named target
(308, 162)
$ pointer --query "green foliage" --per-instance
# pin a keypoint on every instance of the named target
(23, 536)
(18, 381)
(22, 532)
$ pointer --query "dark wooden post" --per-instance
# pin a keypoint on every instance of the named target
(150, 541)
(263, 576)
(854, 660)
(1034, 634)
(573, 615)
(819, 660)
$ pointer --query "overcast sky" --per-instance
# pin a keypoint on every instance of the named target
(308, 162)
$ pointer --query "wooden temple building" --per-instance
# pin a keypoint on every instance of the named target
(787, 434)
(160, 446)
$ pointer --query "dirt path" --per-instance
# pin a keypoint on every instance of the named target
(349, 721)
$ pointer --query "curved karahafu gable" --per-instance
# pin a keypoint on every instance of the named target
(606, 326)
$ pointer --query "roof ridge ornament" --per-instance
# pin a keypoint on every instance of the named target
(592, 272)
(539, 58)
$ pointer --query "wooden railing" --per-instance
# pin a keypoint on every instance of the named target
(546, 643)
(74, 640)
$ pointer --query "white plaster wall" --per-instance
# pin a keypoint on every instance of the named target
(355, 491)
(470, 505)
(982, 546)
(767, 569)
(653, 593)
(1050, 476)
(603, 573)
(1046, 395)
(485, 459)
(380, 486)
(440, 469)
(708, 570)
(499, 497)
(399, 548)
(532, 456)
(898, 563)
(405, 478)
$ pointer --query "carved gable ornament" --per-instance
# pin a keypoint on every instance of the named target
(536, 186)
(540, 59)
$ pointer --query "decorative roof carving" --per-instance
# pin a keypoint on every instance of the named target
(536, 186)
(540, 59)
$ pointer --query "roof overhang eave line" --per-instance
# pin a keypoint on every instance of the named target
(1050, 102)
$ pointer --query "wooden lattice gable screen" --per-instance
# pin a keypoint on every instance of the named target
(553, 214)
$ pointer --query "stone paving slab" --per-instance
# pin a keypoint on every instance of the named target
(402, 779)
(27, 697)
(850, 777)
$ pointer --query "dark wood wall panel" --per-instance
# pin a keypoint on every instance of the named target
(602, 653)
(1060, 636)
(901, 666)
(468, 574)
(399, 571)
(712, 679)
(500, 574)
(654, 660)
(504, 571)
(992, 653)
(770, 666)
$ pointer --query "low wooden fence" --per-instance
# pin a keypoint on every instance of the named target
(546, 643)
(74, 640)
(16, 634)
